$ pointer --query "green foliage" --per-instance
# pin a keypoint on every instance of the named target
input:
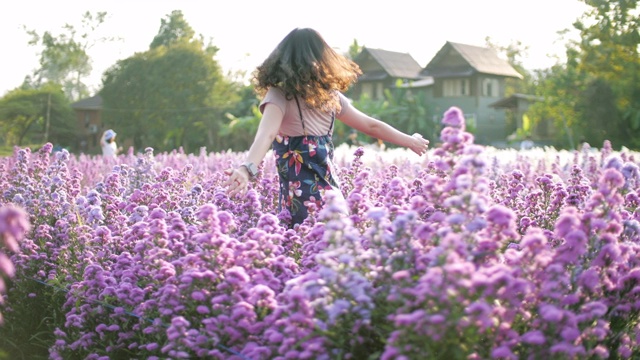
(63, 58)
(404, 109)
(28, 331)
(173, 95)
(354, 49)
(29, 116)
(558, 86)
(238, 133)
(514, 53)
(173, 29)
(607, 59)
(600, 118)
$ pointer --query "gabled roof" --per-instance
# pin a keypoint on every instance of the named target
(393, 64)
(90, 103)
(476, 59)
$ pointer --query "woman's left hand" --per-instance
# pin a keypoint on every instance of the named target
(237, 181)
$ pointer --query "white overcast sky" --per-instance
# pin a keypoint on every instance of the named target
(247, 30)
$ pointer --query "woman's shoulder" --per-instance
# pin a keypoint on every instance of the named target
(274, 96)
(344, 101)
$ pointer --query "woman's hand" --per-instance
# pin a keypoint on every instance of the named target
(418, 145)
(237, 181)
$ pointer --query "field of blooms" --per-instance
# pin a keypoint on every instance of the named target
(469, 252)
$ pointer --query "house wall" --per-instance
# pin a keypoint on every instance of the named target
(89, 130)
(489, 125)
(372, 89)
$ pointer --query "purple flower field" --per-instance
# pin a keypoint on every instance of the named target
(468, 253)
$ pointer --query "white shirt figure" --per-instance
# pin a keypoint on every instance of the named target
(108, 143)
(526, 144)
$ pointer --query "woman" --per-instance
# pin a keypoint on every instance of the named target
(301, 83)
(108, 143)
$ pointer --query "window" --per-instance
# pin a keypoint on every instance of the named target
(367, 89)
(490, 87)
(455, 87)
(379, 91)
(373, 90)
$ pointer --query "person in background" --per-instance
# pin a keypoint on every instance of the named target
(302, 83)
(108, 143)
(527, 143)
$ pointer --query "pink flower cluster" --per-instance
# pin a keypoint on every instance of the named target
(14, 223)
(452, 256)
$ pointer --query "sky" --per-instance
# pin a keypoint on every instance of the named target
(246, 31)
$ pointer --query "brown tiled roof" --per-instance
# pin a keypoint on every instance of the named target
(395, 64)
(90, 103)
(479, 59)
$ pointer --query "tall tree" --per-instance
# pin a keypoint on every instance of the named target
(561, 88)
(173, 29)
(514, 53)
(172, 95)
(595, 96)
(35, 116)
(64, 59)
(354, 49)
(609, 56)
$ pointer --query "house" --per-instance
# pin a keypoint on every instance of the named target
(469, 77)
(89, 122)
(516, 106)
(382, 69)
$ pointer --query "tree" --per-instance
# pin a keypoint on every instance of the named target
(172, 95)
(173, 29)
(354, 49)
(515, 52)
(561, 87)
(32, 116)
(237, 134)
(403, 108)
(64, 59)
(608, 56)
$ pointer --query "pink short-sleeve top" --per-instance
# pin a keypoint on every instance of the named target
(316, 122)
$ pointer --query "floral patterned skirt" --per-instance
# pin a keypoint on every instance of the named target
(305, 169)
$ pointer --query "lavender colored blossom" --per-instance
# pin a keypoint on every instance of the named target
(538, 253)
(500, 215)
(534, 337)
(14, 224)
(454, 117)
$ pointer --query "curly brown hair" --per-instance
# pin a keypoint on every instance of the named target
(304, 65)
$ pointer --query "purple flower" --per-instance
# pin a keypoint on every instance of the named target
(198, 295)
(551, 313)
(454, 117)
(237, 275)
(201, 309)
(611, 179)
(500, 215)
(14, 223)
(566, 222)
(534, 337)
(503, 352)
(589, 279)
